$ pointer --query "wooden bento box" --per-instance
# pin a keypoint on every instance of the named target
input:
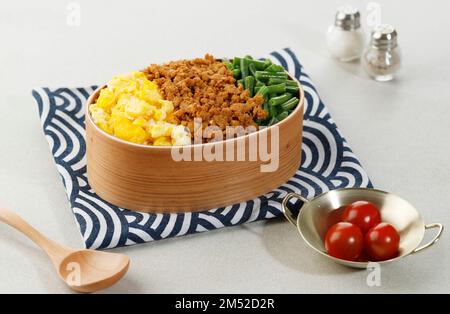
(148, 179)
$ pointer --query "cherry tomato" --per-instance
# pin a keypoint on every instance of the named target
(344, 240)
(382, 242)
(363, 214)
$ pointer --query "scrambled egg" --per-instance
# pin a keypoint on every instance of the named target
(132, 109)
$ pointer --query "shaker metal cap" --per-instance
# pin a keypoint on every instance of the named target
(384, 36)
(347, 18)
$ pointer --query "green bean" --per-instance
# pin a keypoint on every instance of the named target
(259, 65)
(249, 83)
(263, 91)
(252, 69)
(273, 121)
(277, 89)
(273, 111)
(244, 68)
(292, 89)
(283, 115)
(265, 76)
(274, 68)
(291, 83)
(260, 122)
(275, 101)
(262, 77)
(237, 62)
(228, 65)
(290, 104)
(266, 107)
(292, 86)
(276, 80)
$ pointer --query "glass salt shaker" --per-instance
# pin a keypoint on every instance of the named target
(382, 58)
(345, 39)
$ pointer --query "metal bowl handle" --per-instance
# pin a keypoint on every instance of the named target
(434, 240)
(287, 212)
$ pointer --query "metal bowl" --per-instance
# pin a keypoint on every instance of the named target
(317, 215)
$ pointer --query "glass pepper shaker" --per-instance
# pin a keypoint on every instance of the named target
(382, 58)
(345, 39)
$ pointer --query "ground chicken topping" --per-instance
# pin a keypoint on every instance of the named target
(204, 88)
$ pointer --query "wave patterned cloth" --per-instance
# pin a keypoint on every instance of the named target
(327, 163)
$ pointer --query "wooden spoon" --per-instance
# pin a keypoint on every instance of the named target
(82, 270)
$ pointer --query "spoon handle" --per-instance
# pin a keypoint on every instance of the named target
(54, 250)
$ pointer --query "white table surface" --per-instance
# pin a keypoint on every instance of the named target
(400, 131)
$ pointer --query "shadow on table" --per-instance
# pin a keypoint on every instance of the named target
(284, 243)
(352, 67)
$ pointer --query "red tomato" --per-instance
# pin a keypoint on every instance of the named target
(363, 214)
(344, 240)
(382, 242)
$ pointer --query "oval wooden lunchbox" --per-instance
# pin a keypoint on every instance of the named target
(149, 179)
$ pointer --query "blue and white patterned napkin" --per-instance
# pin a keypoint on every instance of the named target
(327, 163)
